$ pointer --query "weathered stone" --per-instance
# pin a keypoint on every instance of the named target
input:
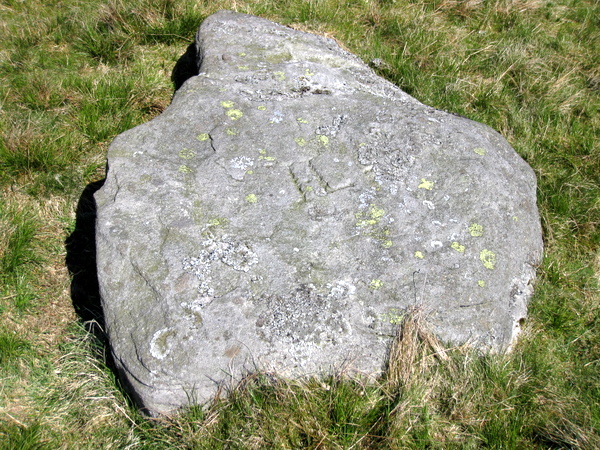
(288, 207)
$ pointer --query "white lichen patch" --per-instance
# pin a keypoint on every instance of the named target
(194, 310)
(307, 318)
(226, 251)
(488, 258)
(162, 342)
(242, 163)
(277, 117)
(340, 290)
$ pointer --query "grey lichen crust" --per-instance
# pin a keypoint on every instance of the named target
(288, 207)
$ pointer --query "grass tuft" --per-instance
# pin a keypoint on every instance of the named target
(12, 348)
(18, 437)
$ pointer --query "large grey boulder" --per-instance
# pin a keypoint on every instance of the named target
(287, 209)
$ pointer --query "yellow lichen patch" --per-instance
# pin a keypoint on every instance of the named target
(186, 153)
(250, 172)
(251, 198)
(301, 120)
(394, 317)
(481, 283)
(279, 75)
(480, 151)
(387, 244)
(419, 255)
(324, 140)
(476, 230)
(184, 169)
(308, 73)
(372, 217)
(376, 213)
(218, 222)
(426, 184)
(242, 54)
(488, 258)
(202, 137)
(234, 114)
(227, 104)
(376, 284)
(459, 248)
(261, 108)
(300, 141)
(515, 218)
(243, 67)
(232, 132)
(264, 157)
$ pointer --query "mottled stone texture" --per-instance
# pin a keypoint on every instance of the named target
(288, 207)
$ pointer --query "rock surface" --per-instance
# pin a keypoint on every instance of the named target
(288, 207)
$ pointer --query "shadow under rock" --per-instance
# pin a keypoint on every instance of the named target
(81, 247)
(85, 289)
(187, 66)
(81, 262)
(81, 243)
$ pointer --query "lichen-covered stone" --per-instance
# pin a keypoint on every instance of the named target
(288, 207)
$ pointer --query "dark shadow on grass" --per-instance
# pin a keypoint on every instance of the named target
(81, 262)
(81, 244)
(85, 289)
(187, 66)
(81, 250)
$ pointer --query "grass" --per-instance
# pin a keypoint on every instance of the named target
(74, 74)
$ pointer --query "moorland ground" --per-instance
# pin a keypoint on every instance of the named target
(74, 74)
